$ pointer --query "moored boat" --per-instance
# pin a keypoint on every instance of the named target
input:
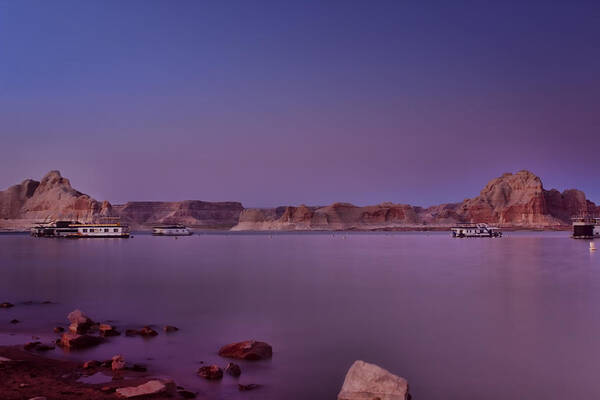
(77, 230)
(475, 230)
(171, 230)
(586, 227)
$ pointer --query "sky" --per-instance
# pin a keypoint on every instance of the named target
(309, 102)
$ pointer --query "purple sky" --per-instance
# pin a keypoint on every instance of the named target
(279, 102)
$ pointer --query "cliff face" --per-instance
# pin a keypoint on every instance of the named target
(512, 200)
(193, 213)
(53, 198)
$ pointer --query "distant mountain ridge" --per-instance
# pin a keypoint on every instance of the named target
(512, 201)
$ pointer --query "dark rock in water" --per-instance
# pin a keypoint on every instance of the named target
(211, 372)
(44, 347)
(147, 332)
(108, 330)
(138, 368)
(250, 386)
(131, 332)
(107, 389)
(80, 323)
(186, 394)
(170, 328)
(233, 369)
(14, 321)
(73, 341)
(91, 364)
(59, 329)
(247, 350)
(47, 302)
(30, 345)
(106, 364)
(6, 305)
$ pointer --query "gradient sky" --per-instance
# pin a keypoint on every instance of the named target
(276, 102)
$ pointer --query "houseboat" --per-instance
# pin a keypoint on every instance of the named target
(171, 230)
(475, 230)
(77, 230)
(586, 228)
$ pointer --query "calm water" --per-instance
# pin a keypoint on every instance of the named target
(517, 317)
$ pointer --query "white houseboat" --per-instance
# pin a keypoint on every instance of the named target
(475, 230)
(171, 230)
(77, 230)
(586, 228)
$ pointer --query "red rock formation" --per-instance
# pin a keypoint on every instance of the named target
(512, 200)
(53, 198)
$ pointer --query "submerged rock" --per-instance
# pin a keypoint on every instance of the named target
(366, 381)
(73, 341)
(186, 394)
(247, 350)
(249, 386)
(211, 372)
(14, 321)
(147, 331)
(233, 369)
(91, 364)
(108, 330)
(147, 389)
(30, 345)
(170, 328)
(6, 305)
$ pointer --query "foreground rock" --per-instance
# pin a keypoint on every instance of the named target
(211, 372)
(149, 388)
(247, 350)
(73, 341)
(118, 363)
(80, 323)
(366, 381)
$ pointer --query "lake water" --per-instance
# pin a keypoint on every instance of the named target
(516, 317)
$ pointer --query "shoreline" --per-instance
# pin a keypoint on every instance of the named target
(28, 375)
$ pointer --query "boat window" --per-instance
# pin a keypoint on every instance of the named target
(85, 230)
(105, 229)
(115, 230)
(91, 230)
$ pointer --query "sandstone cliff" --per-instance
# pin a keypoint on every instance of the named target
(193, 213)
(53, 198)
(511, 201)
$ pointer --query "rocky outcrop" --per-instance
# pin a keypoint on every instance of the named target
(193, 213)
(52, 197)
(247, 350)
(512, 201)
(366, 381)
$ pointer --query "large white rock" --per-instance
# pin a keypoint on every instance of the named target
(366, 381)
(148, 388)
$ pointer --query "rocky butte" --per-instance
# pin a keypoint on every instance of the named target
(517, 201)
